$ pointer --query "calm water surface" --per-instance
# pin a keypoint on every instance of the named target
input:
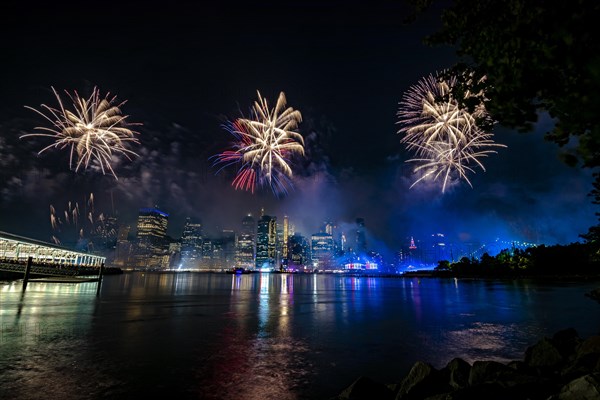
(264, 336)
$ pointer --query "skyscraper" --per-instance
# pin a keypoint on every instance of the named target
(285, 237)
(123, 251)
(266, 241)
(322, 251)
(191, 244)
(299, 251)
(151, 235)
(245, 246)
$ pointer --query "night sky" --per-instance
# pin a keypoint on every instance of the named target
(184, 67)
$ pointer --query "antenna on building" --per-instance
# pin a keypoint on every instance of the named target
(412, 244)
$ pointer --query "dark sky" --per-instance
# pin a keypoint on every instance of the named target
(186, 66)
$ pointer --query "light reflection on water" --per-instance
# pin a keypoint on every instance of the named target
(263, 336)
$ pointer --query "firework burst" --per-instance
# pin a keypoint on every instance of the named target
(263, 146)
(95, 130)
(445, 137)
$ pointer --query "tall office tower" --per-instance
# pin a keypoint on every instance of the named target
(175, 255)
(322, 251)
(228, 246)
(285, 240)
(245, 245)
(361, 240)
(191, 244)
(123, 251)
(328, 227)
(299, 251)
(266, 240)
(206, 261)
(151, 234)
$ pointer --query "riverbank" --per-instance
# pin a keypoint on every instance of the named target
(562, 367)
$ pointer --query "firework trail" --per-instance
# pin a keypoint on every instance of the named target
(444, 137)
(263, 146)
(95, 130)
(99, 228)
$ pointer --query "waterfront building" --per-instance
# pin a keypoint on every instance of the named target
(151, 235)
(246, 243)
(191, 244)
(299, 253)
(124, 247)
(322, 251)
(227, 246)
(266, 242)
(285, 241)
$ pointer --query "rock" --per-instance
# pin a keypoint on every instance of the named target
(594, 295)
(458, 371)
(366, 389)
(566, 342)
(585, 388)
(590, 345)
(485, 391)
(421, 382)
(488, 372)
(543, 355)
(586, 364)
(519, 366)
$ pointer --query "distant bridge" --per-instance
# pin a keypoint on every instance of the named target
(46, 258)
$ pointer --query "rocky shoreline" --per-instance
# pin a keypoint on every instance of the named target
(562, 367)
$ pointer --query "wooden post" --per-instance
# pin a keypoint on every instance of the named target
(100, 279)
(27, 271)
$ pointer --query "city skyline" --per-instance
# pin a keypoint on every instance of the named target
(182, 82)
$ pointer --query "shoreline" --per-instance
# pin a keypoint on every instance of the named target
(562, 367)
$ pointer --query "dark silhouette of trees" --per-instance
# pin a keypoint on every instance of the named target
(537, 56)
(557, 260)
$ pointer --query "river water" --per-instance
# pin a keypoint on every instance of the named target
(264, 336)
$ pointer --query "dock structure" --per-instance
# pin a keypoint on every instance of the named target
(17, 249)
(33, 257)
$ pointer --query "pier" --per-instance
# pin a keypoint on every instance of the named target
(45, 262)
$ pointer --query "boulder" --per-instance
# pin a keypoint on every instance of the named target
(566, 342)
(590, 345)
(594, 295)
(584, 388)
(457, 373)
(485, 391)
(488, 372)
(365, 388)
(543, 355)
(421, 382)
(586, 364)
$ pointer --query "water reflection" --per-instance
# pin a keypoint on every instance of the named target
(43, 335)
(284, 336)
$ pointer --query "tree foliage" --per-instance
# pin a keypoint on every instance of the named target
(557, 260)
(536, 56)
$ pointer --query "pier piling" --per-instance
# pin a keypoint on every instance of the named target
(27, 271)
(100, 279)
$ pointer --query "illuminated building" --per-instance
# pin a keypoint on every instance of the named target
(123, 249)
(245, 245)
(285, 244)
(226, 246)
(266, 240)
(322, 251)
(191, 244)
(299, 252)
(151, 234)
(206, 261)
